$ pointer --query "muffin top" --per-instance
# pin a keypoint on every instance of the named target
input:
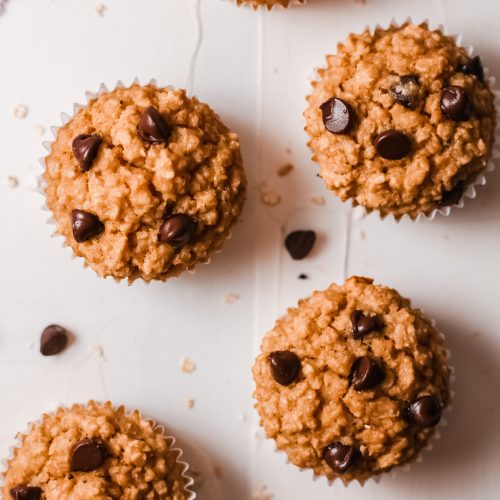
(401, 120)
(351, 382)
(145, 182)
(98, 452)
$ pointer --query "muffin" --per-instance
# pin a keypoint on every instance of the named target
(95, 451)
(352, 382)
(145, 182)
(269, 3)
(401, 120)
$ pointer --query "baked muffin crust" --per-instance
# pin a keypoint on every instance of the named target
(372, 73)
(322, 406)
(133, 185)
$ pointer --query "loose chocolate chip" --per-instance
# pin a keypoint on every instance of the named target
(300, 243)
(453, 196)
(85, 149)
(406, 91)
(455, 103)
(392, 144)
(88, 455)
(473, 66)
(340, 457)
(26, 493)
(177, 230)
(365, 374)
(85, 225)
(285, 366)
(152, 127)
(53, 340)
(362, 324)
(425, 411)
(337, 115)
(303, 276)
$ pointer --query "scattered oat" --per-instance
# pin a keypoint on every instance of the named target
(217, 471)
(39, 129)
(21, 111)
(99, 352)
(187, 366)
(318, 200)
(285, 170)
(100, 8)
(11, 181)
(231, 298)
(33, 183)
(262, 493)
(190, 403)
(271, 198)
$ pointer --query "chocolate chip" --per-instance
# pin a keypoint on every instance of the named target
(363, 324)
(425, 411)
(53, 340)
(474, 67)
(88, 455)
(300, 243)
(337, 115)
(453, 196)
(85, 149)
(285, 366)
(365, 374)
(26, 493)
(392, 144)
(177, 230)
(152, 127)
(85, 225)
(406, 91)
(340, 457)
(455, 103)
(303, 276)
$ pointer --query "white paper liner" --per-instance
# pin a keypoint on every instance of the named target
(471, 188)
(42, 185)
(392, 473)
(17, 443)
(248, 3)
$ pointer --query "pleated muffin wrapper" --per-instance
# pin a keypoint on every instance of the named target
(397, 470)
(41, 185)
(170, 440)
(255, 6)
(470, 190)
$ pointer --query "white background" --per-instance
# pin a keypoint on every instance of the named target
(253, 68)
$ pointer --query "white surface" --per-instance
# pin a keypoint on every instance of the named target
(253, 69)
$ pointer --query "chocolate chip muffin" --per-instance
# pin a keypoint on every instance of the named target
(401, 120)
(352, 382)
(95, 451)
(145, 182)
(269, 3)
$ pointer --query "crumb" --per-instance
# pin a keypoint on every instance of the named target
(288, 151)
(190, 403)
(21, 111)
(33, 183)
(271, 198)
(99, 352)
(231, 298)
(39, 129)
(217, 471)
(187, 366)
(362, 235)
(100, 9)
(11, 181)
(262, 493)
(285, 170)
(303, 276)
(318, 200)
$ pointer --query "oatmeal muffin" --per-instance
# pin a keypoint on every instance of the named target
(352, 382)
(95, 451)
(401, 121)
(269, 3)
(145, 182)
